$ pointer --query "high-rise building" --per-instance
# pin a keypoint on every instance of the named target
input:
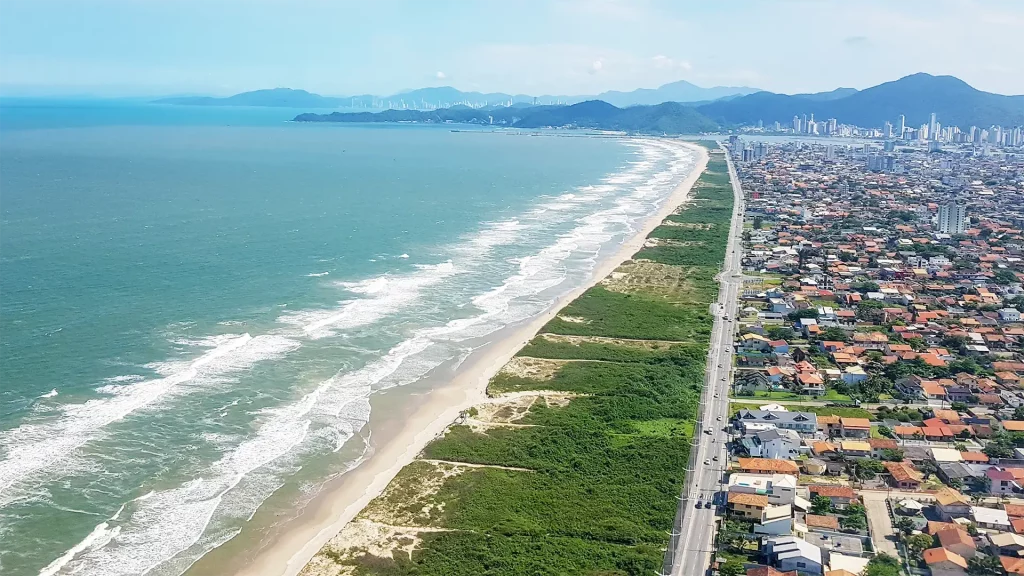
(953, 217)
(923, 132)
(887, 129)
(796, 124)
(901, 126)
(931, 127)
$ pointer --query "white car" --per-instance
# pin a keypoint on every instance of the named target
(707, 462)
(719, 418)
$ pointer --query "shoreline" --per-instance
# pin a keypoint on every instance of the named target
(341, 500)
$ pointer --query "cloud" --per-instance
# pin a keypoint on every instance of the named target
(596, 67)
(440, 75)
(664, 62)
(856, 40)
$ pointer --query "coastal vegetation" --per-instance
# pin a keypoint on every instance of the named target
(580, 471)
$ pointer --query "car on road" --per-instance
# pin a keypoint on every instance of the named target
(707, 431)
(719, 418)
(715, 458)
(698, 504)
(708, 504)
(707, 462)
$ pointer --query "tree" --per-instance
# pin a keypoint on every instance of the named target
(758, 222)
(984, 566)
(805, 313)
(732, 568)
(1004, 276)
(997, 449)
(905, 525)
(917, 543)
(891, 455)
(882, 565)
(927, 468)
(959, 406)
(853, 523)
(917, 343)
(886, 431)
(865, 287)
(835, 334)
(780, 333)
(821, 505)
(866, 468)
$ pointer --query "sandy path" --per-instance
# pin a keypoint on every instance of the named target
(290, 552)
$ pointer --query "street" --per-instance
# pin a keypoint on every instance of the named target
(690, 549)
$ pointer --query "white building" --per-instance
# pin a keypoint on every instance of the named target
(790, 553)
(952, 218)
(780, 488)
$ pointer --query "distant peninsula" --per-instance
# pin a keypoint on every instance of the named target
(666, 118)
(275, 97)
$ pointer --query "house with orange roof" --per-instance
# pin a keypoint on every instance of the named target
(942, 562)
(958, 541)
(768, 466)
(855, 427)
(903, 475)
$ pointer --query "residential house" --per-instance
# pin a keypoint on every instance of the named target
(1002, 482)
(840, 496)
(880, 445)
(1007, 543)
(779, 488)
(802, 422)
(791, 553)
(903, 475)
(942, 562)
(957, 540)
(990, 518)
(750, 506)
(767, 466)
(855, 427)
(950, 503)
(775, 444)
(855, 448)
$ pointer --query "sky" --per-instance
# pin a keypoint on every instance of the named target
(221, 47)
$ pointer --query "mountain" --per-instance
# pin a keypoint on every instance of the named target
(275, 97)
(446, 96)
(681, 91)
(954, 102)
(830, 95)
(665, 118)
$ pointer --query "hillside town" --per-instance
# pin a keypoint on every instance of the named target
(877, 396)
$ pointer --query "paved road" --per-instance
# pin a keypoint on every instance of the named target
(690, 549)
(879, 522)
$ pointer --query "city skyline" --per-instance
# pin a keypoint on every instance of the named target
(559, 47)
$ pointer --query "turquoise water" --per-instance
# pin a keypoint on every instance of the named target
(196, 308)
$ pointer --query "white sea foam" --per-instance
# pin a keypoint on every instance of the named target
(317, 274)
(385, 295)
(49, 394)
(37, 445)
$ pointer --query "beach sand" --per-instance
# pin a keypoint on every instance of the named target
(401, 436)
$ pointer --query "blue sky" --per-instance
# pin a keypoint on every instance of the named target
(149, 47)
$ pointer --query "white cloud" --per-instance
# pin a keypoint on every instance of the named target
(440, 75)
(596, 67)
(664, 62)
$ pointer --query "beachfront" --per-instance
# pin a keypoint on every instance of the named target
(464, 399)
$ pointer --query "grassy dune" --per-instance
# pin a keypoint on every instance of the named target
(585, 483)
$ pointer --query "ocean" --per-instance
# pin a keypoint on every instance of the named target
(197, 305)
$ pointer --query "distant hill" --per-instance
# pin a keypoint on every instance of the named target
(275, 97)
(681, 91)
(666, 118)
(830, 95)
(952, 100)
(446, 96)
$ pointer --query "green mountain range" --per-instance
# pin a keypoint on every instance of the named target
(953, 101)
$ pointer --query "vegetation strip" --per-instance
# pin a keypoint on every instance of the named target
(590, 486)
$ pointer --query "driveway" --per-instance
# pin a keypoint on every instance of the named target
(879, 522)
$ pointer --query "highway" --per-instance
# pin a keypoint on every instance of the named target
(691, 546)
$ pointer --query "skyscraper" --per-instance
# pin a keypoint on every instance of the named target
(931, 127)
(901, 126)
(952, 217)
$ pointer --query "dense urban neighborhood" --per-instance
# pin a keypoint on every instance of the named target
(876, 397)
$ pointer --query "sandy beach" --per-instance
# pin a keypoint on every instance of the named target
(406, 434)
